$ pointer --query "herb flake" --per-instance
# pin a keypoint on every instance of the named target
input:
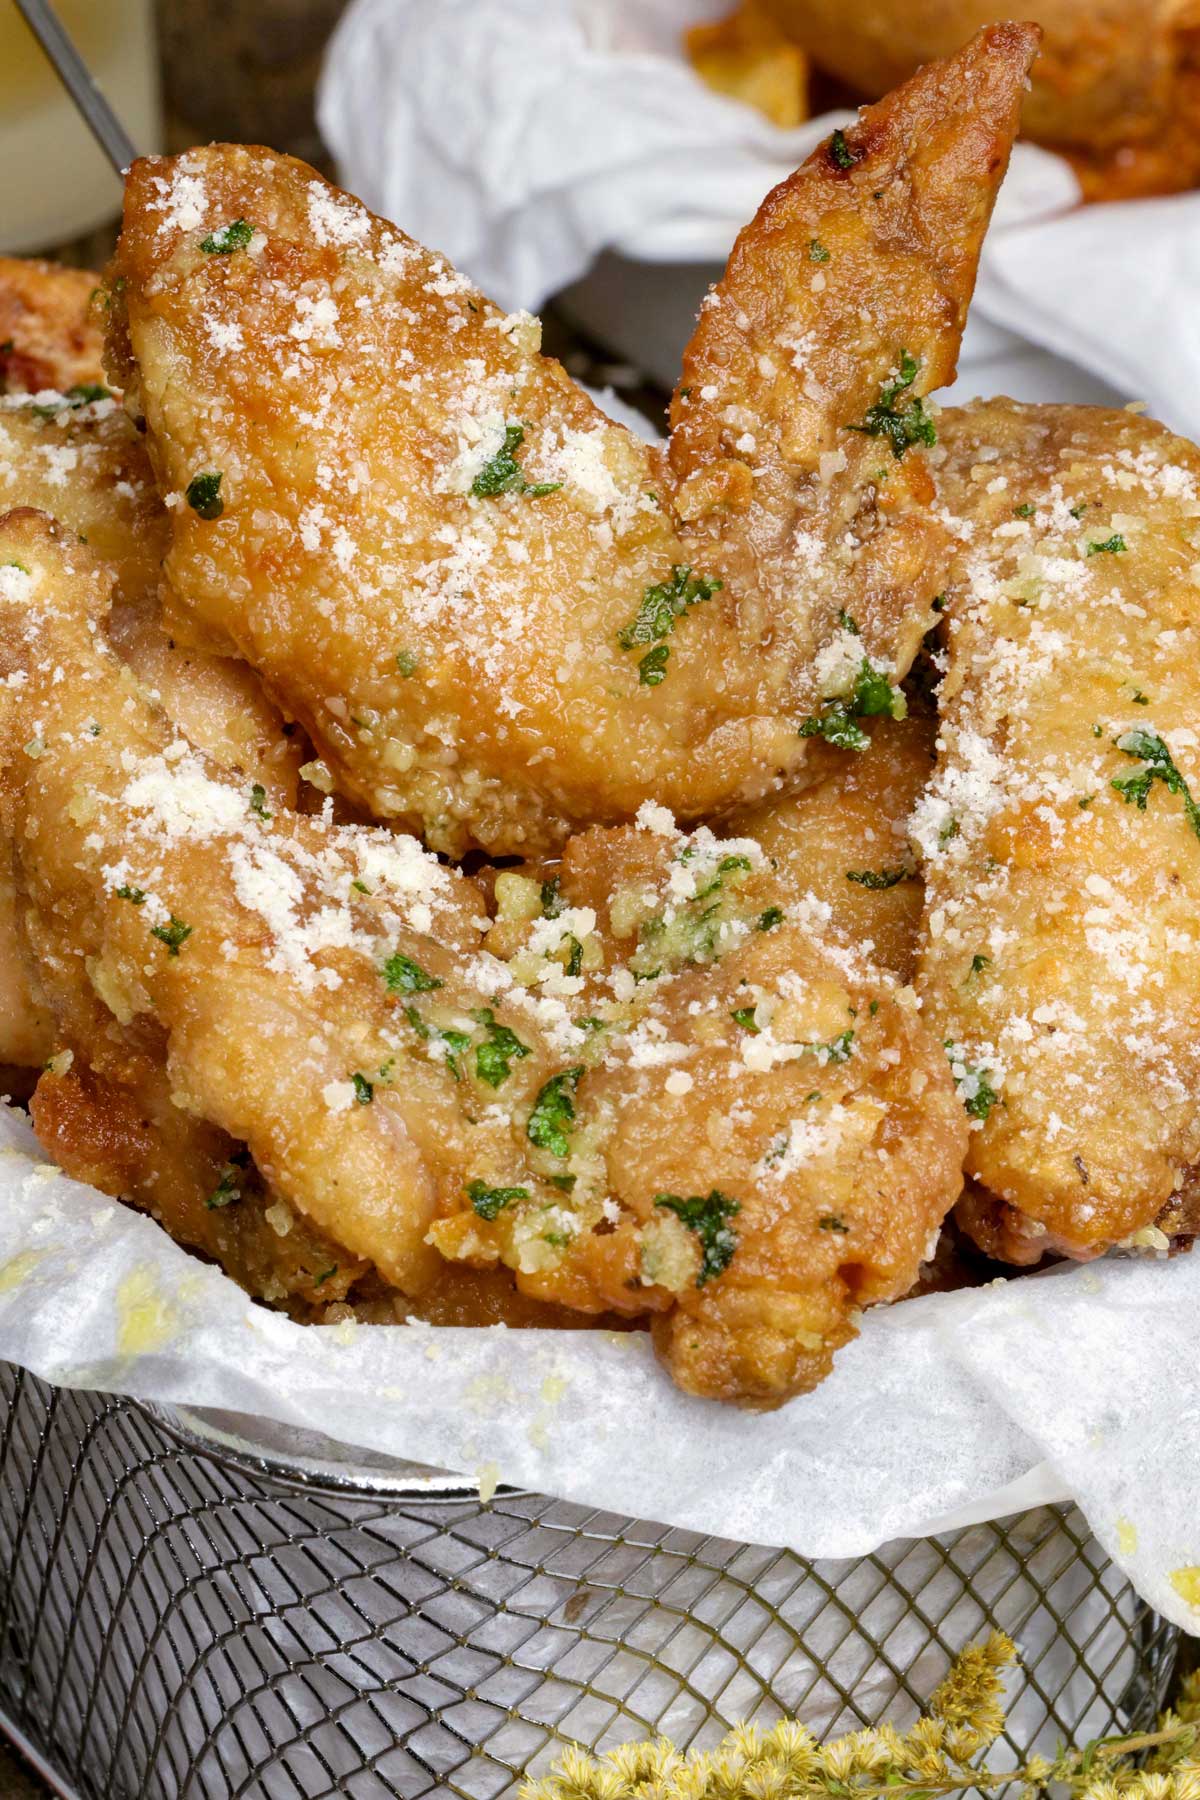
(203, 495)
(554, 1113)
(403, 976)
(489, 1202)
(227, 238)
(708, 1215)
(901, 424)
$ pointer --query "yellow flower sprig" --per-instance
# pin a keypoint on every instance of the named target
(938, 1756)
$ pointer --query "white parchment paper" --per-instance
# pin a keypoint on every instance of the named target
(949, 1408)
(527, 137)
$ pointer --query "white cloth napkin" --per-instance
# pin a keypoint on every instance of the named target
(526, 137)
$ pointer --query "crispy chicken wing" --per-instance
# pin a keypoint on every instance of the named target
(323, 995)
(844, 839)
(1060, 835)
(77, 456)
(496, 613)
(766, 1105)
(51, 334)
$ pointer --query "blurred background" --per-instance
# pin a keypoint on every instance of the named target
(594, 159)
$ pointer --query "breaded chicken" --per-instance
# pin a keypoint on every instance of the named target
(1061, 832)
(496, 613)
(80, 458)
(51, 330)
(323, 996)
(765, 1104)
(844, 840)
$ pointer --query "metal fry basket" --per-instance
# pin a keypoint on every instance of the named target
(186, 1618)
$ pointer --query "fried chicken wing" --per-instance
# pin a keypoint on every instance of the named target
(76, 455)
(1115, 87)
(1060, 834)
(844, 839)
(326, 996)
(82, 461)
(496, 613)
(767, 1106)
(50, 329)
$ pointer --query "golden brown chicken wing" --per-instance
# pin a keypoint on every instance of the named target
(51, 331)
(78, 456)
(496, 613)
(1061, 831)
(1116, 87)
(323, 996)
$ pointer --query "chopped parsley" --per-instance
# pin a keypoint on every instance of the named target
(938, 603)
(364, 1090)
(574, 954)
(661, 604)
(554, 1113)
(877, 878)
(1140, 699)
(406, 662)
(652, 667)
(203, 495)
(552, 901)
(228, 238)
(503, 474)
(456, 1042)
(1157, 765)
(1110, 546)
(708, 1215)
(325, 1275)
(490, 1201)
(494, 1058)
(974, 1089)
(979, 962)
(768, 920)
(227, 1190)
(1026, 510)
(817, 252)
(831, 1222)
(1078, 511)
(403, 976)
(744, 1016)
(258, 802)
(173, 934)
(838, 1050)
(847, 623)
(902, 425)
(840, 153)
(135, 895)
(84, 393)
(872, 696)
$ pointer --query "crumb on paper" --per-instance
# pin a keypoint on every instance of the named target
(1186, 1582)
(487, 1390)
(553, 1389)
(145, 1322)
(489, 1480)
(17, 1268)
(1127, 1537)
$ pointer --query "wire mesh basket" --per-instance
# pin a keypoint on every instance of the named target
(186, 1620)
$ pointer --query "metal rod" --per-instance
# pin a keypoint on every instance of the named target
(77, 78)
